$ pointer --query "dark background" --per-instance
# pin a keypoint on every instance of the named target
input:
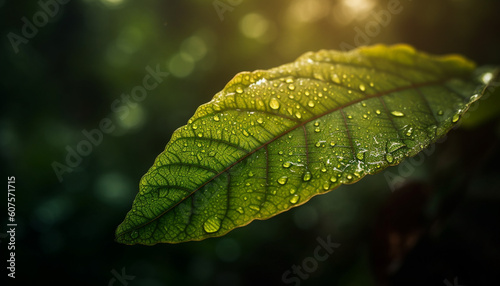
(443, 224)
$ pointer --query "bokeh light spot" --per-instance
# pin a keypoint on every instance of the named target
(254, 25)
(181, 65)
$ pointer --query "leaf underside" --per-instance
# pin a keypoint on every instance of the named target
(272, 139)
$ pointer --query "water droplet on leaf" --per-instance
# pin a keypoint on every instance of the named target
(307, 176)
(283, 180)
(212, 224)
(294, 199)
(274, 103)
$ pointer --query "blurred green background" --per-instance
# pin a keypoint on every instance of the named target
(63, 79)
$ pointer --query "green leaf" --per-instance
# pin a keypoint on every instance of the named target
(272, 139)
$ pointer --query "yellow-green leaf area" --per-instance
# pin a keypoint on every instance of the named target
(272, 139)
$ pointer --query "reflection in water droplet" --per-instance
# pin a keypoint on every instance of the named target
(294, 199)
(239, 90)
(212, 224)
(317, 130)
(291, 87)
(274, 103)
(310, 103)
(333, 179)
(397, 113)
(283, 180)
(307, 176)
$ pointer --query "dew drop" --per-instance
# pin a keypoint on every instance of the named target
(389, 158)
(292, 191)
(317, 130)
(286, 165)
(194, 127)
(365, 116)
(291, 87)
(254, 207)
(298, 115)
(409, 131)
(323, 170)
(474, 97)
(260, 120)
(240, 210)
(310, 103)
(455, 118)
(239, 90)
(246, 133)
(283, 180)
(349, 177)
(377, 111)
(250, 174)
(294, 199)
(336, 79)
(393, 146)
(440, 112)
(212, 224)
(274, 103)
(289, 80)
(307, 176)
(360, 156)
(333, 179)
(216, 118)
(316, 123)
(318, 144)
(134, 234)
(397, 113)
(326, 186)
(362, 87)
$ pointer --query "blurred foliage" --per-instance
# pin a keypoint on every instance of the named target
(66, 78)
